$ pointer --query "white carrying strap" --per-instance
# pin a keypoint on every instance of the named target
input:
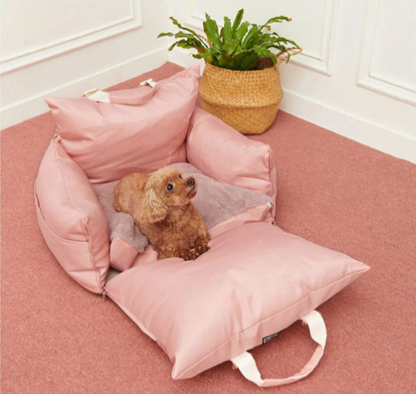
(97, 95)
(128, 97)
(247, 366)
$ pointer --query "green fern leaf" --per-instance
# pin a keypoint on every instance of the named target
(237, 21)
(227, 28)
(242, 30)
(165, 35)
(176, 23)
(230, 45)
(211, 31)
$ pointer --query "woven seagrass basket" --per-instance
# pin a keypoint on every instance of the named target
(248, 101)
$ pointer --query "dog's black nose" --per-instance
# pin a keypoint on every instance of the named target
(191, 182)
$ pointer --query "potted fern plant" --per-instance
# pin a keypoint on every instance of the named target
(241, 82)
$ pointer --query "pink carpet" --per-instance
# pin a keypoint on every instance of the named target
(59, 338)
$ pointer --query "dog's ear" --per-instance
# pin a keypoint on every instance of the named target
(152, 210)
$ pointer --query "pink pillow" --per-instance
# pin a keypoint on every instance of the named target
(255, 281)
(71, 218)
(140, 129)
(222, 153)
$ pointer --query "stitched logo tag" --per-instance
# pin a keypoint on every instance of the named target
(267, 339)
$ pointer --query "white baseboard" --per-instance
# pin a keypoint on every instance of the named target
(338, 121)
(388, 141)
(35, 105)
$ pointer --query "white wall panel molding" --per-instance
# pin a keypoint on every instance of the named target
(322, 61)
(367, 77)
(40, 53)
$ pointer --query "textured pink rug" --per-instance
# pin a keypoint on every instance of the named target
(59, 338)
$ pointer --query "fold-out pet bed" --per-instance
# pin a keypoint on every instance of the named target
(255, 280)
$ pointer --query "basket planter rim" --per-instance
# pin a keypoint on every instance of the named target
(275, 66)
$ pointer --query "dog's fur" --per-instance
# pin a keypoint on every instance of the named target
(167, 218)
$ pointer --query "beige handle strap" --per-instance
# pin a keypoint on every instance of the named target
(137, 96)
(247, 365)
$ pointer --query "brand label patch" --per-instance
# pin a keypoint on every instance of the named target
(267, 339)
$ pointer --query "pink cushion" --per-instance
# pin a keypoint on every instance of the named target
(226, 155)
(255, 280)
(111, 140)
(71, 218)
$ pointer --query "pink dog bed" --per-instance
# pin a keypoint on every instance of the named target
(255, 281)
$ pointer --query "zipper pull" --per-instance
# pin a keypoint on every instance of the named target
(104, 294)
(56, 138)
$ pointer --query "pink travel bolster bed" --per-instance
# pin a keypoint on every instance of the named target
(255, 280)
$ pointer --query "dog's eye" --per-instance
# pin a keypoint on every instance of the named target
(170, 186)
(180, 176)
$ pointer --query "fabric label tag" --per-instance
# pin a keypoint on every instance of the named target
(267, 339)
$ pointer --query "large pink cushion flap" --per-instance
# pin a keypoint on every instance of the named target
(255, 281)
(110, 140)
(71, 218)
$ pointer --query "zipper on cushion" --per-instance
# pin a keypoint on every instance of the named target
(270, 204)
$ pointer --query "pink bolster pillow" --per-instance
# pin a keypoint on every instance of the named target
(140, 129)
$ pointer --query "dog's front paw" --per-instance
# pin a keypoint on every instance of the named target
(189, 254)
(185, 254)
(201, 245)
(194, 254)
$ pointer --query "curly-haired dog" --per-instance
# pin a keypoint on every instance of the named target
(162, 209)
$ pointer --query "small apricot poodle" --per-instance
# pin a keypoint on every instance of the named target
(162, 209)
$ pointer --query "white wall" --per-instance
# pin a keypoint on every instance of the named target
(65, 47)
(357, 73)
